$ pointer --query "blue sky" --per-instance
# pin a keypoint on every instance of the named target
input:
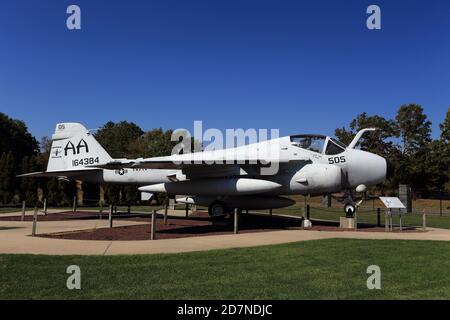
(300, 66)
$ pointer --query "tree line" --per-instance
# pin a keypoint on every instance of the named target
(406, 141)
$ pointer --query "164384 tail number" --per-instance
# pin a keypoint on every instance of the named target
(85, 161)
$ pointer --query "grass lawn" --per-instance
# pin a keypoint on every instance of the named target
(9, 210)
(366, 215)
(323, 269)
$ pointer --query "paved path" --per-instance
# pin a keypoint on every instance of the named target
(18, 239)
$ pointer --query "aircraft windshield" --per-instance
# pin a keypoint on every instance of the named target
(334, 147)
(310, 142)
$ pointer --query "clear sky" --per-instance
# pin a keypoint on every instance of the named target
(300, 66)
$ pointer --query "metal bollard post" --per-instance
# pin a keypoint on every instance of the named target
(153, 227)
(307, 211)
(378, 217)
(33, 230)
(236, 221)
(74, 208)
(424, 220)
(270, 212)
(386, 222)
(110, 218)
(187, 210)
(356, 220)
(166, 207)
(391, 227)
(45, 206)
(23, 211)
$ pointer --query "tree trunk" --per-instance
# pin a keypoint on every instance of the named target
(80, 192)
(102, 194)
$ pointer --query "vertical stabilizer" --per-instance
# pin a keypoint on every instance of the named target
(74, 147)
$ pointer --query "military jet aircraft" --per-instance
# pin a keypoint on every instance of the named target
(239, 177)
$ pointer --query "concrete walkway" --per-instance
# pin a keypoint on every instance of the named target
(18, 239)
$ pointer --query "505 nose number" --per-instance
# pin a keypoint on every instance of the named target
(335, 160)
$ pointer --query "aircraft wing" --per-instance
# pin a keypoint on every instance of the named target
(180, 161)
(228, 162)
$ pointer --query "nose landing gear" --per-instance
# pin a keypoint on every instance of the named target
(349, 209)
(350, 206)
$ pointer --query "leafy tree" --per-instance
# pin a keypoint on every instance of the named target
(7, 177)
(445, 127)
(16, 143)
(28, 186)
(117, 137)
(445, 149)
(414, 127)
(415, 133)
(343, 135)
(153, 143)
(119, 140)
(14, 137)
(437, 160)
(379, 141)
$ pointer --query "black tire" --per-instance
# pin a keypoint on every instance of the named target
(217, 209)
(349, 210)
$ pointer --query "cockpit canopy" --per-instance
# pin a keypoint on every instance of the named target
(318, 143)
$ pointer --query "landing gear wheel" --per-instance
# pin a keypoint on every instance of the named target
(349, 210)
(216, 209)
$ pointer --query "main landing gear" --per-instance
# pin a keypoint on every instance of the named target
(217, 209)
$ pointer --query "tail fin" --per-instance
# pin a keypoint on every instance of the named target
(74, 147)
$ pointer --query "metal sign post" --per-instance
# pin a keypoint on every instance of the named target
(392, 203)
(33, 230)
(110, 218)
(23, 211)
(153, 226)
(45, 206)
(236, 221)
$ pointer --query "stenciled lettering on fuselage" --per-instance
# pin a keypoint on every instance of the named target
(336, 160)
(80, 148)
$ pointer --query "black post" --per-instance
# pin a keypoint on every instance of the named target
(236, 221)
(307, 211)
(187, 209)
(378, 217)
(440, 202)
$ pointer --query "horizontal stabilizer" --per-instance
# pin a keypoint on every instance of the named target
(49, 174)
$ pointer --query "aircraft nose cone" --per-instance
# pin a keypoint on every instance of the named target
(390, 169)
(366, 168)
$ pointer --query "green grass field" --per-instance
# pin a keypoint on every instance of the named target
(368, 216)
(9, 210)
(323, 269)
